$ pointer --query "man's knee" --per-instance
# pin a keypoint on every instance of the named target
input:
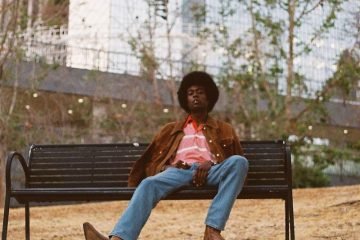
(147, 183)
(239, 162)
(150, 185)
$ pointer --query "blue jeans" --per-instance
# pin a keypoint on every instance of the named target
(229, 177)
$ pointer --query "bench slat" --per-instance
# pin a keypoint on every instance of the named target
(264, 156)
(266, 175)
(115, 159)
(258, 160)
(78, 185)
(79, 171)
(81, 165)
(266, 168)
(101, 146)
(85, 194)
(119, 165)
(118, 177)
(103, 184)
(263, 150)
(266, 162)
(253, 145)
(266, 182)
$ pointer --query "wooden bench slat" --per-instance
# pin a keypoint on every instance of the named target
(124, 184)
(86, 177)
(266, 182)
(250, 183)
(116, 159)
(253, 145)
(80, 171)
(100, 146)
(272, 166)
(71, 149)
(78, 185)
(85, 154)
(117, 177)
(80, 165)
(266, 175)
(263, 150)
(263, 157)
(266, 162)
(266, 168)
(121, 158)
(274, 148)
(105, 193)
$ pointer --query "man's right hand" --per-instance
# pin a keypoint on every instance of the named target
(201, 173)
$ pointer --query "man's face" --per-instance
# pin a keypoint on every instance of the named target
(196, 99)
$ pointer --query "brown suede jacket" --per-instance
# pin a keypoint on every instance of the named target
(220, 136)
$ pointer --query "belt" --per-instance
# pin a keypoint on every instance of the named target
(182, 165)
(179, 164)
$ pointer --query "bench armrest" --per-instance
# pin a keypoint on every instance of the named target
(15, 155)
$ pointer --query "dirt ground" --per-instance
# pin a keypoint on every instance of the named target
(322, 213)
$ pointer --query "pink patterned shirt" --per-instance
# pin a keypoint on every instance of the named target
(193, 147)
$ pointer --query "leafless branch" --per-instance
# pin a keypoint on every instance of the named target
(306, 11)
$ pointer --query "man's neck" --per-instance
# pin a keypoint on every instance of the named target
(199, 117)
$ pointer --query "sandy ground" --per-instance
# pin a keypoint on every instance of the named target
(323, 213)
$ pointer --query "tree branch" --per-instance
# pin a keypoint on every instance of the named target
(306, 11)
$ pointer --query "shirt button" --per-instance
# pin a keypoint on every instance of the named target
(210, 141)
(160, 152)
(204, 128)
(224, 145)
(217, 155)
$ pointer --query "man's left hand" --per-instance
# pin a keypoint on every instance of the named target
(201, 173)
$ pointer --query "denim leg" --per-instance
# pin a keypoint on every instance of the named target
(150, 191)
(229, 177)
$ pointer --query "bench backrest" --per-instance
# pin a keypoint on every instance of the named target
(108, 165)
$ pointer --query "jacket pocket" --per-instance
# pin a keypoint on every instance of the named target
(227, 145)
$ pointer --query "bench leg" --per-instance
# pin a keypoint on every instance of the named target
(6, 217)
(292, 220)
(27, 221)
(287, 217)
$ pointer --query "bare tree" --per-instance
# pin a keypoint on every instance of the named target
(17, 21)
(9, 26)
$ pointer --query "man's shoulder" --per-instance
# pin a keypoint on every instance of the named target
(225, 125)
(170, 126)
(222, 124)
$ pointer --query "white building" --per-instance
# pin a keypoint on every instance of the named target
(113, 35)
(101, 34)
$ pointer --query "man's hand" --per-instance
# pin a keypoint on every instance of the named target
(201, 173)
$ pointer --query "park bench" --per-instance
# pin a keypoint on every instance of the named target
(99, 172)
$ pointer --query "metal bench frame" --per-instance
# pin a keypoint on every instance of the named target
(99, 172)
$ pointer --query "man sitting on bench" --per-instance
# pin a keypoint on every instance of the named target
(198, 151)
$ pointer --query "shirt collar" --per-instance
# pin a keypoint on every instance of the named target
(179, 126)
(188, 120)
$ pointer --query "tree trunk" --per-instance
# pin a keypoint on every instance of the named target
(30, 12)
(2, 23)
(2, 173)
(290, 63)
(171, 80)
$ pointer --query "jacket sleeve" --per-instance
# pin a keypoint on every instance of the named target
(238, 150)
(137, 172)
